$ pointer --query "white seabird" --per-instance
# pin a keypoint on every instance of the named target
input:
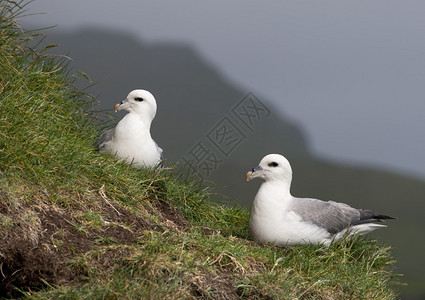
(131, 139)
(278, 217)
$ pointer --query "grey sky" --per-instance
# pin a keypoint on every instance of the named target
(352, 73)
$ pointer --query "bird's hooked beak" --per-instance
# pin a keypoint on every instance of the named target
(254, 173)
(122, 105)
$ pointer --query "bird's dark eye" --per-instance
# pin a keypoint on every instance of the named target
(273, 164)
(138, 99)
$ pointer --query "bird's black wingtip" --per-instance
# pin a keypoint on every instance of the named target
(384, 217)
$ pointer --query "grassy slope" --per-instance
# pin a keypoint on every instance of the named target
(158, 67)
(75, 224)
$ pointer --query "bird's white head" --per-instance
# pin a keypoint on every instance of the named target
(140, 102)
(273, 167)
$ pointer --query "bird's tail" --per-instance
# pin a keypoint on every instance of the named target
(369, 216)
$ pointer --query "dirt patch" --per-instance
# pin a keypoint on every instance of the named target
(253, 294)
(209, 286)
(58, 231)
(36, 249)
(170, 213)
(118, 214)
(39, 242)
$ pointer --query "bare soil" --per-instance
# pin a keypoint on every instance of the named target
(37, 245)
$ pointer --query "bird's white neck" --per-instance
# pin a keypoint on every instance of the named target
(275, 187)
(143, 121)
(133, 126)
(284, 185)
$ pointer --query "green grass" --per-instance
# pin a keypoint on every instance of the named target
(94, 228)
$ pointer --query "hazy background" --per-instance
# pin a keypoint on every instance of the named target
(352, 73)
(343, 81)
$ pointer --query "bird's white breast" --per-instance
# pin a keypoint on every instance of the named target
(133, 142)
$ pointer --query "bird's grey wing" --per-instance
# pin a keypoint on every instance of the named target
(161, 154)
(104, 138)
(332, 216)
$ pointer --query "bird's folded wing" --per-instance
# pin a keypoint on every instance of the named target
(160, 151)
(332, 216)
(104, 138)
